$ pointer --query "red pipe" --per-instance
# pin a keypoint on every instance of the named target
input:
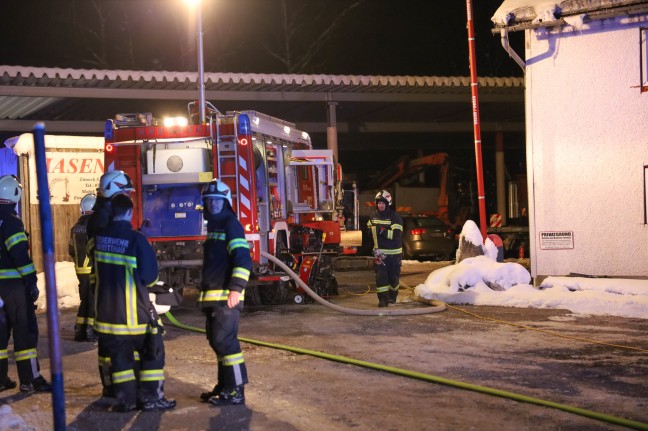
(476, 122)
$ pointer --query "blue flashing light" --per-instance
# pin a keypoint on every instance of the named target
(108, 130)
(244, 124)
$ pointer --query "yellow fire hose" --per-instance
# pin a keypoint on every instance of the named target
(434, 379)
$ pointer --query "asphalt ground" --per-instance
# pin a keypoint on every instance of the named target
(595, 363)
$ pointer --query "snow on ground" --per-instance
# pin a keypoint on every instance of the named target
(468, 283)
(472, 281)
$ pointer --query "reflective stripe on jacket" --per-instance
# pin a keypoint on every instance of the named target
(126, 265)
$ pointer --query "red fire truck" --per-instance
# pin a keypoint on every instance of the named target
(285, 193)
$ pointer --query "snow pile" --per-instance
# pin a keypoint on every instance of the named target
(483, 281)
(67, 287)
(11, 421)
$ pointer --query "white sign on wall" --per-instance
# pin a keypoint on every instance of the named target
(70, 176)
(557, 240)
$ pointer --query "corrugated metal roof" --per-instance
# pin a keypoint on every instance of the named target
(130, 79)
(82, 98)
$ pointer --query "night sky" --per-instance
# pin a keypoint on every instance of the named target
(368, 37)
(340, 37)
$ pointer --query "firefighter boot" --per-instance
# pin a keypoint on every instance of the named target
(205, 396)
(91, 337)
(393, 294)
(229, 397)
(39, 384)
(158, 405)
(80, 332)
(6, 384)
(383, 299)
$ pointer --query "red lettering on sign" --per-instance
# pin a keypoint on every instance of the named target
(74, 166)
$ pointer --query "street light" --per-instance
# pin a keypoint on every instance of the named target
(199, 48)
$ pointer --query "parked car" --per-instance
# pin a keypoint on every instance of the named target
(427, 237)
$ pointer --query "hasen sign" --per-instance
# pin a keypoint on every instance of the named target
(70, 176)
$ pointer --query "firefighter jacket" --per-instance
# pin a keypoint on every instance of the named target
(15, 263)
(387, 231)
(227, 262)
(126, 266)
(79, 245)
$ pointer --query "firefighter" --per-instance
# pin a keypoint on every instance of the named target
(83, 330)
(387, 231)
(126, 320)
(111, 184)
(19, 292)
(226, 270)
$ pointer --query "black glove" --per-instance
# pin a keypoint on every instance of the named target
(33, 292)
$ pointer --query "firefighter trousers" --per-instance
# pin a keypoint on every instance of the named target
(85, 314)
(222, 332)
(388, 277)
(20, 321)
(128, 387)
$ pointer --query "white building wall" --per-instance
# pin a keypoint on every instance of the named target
(587, 144)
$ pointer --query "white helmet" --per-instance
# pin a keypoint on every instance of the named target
(87, 203)
(114, 182)
(384, 196)
(217, 189)
(10, 190)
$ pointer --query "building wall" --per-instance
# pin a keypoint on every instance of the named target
(587, 144)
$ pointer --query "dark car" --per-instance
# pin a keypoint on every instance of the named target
(427, 237)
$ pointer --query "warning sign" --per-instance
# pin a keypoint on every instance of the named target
(557, 240)
(496, 220)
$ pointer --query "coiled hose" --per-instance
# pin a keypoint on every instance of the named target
(435, 305)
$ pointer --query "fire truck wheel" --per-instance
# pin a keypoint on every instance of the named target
(299, 298)
(275, 294)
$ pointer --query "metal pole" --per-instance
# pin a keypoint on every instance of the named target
(201, 65)
(331, 130)
(47, 239)
(476, 122)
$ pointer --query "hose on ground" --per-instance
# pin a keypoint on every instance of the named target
(435, 306)
(435, 379)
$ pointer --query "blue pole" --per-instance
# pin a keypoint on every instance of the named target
(47, 239)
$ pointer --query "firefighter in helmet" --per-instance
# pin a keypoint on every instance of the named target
(111, 184)
(386, 228)
(19, 291)
(83, 330)
(226, 270)
(126, 321)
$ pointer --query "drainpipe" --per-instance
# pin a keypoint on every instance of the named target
(510, 51)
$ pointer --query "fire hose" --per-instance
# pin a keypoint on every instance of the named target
(435, 305)
(413, 374)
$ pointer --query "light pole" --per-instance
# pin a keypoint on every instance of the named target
(201, 66)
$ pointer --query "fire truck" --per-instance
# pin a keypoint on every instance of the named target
(286, 194)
